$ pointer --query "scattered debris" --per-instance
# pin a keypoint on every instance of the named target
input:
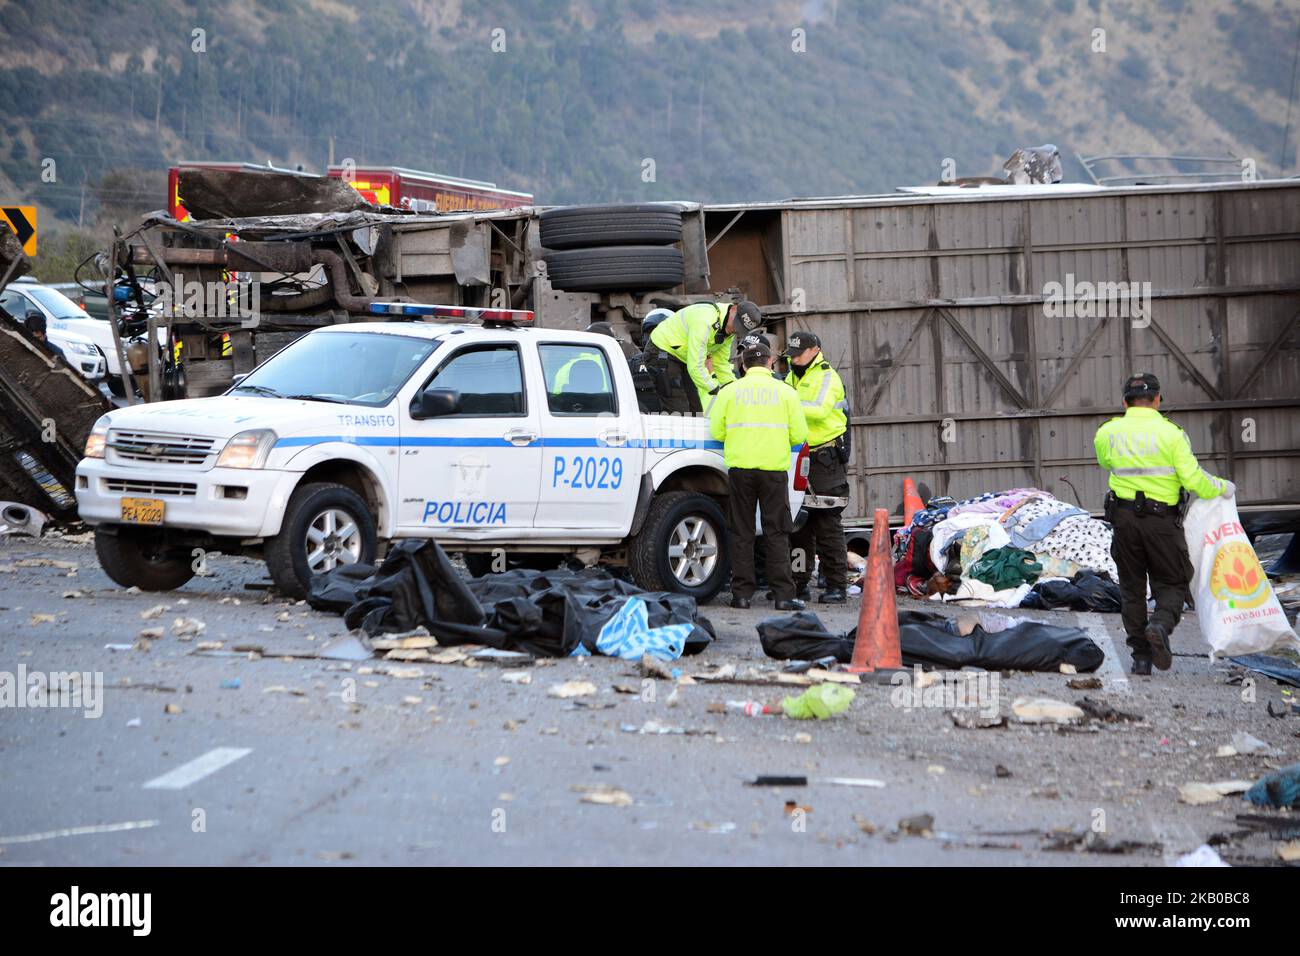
(1290, 852)
(653, 667)
(517, 677)
(1084, 683)
(573, 688)
(1041, 710)
(604, 795)
(350, 648)
(158, 610)
(230, 683)
(792, 807)
(865, 825)
(974, 719)
(1101, 711)
(1199, 793)
(281, 689)
(922, 825)
(1204, 855)
(42, 619)
(1001, 771)
(172, 709)
(820, 702)
(405, 673)
(187, 627)
(1089, 841)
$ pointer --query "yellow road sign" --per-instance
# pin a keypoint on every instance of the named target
(22, 220)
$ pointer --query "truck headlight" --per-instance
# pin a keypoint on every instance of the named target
(248, 449)
(95, 440)
(81, 348)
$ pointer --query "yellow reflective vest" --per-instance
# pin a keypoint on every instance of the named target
(561, 383)
(821, 395)
(690, 335)
(1146, 452)
(759, 422)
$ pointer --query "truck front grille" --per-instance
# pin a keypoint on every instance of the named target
(152, 489)
(157, 448)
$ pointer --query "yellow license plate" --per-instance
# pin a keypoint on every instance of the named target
(142, 510)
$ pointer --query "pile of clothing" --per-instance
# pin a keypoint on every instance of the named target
(1017, 548)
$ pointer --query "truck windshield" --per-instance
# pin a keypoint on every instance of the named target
(359, 368)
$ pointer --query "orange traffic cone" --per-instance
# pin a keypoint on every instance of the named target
(876, 646)
(911, 500)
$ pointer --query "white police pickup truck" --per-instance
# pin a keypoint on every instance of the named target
(502, 442)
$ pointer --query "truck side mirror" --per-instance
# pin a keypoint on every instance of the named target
(435, 402)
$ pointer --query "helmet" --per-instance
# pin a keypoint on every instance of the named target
(748, 317)
(653, 318)
(602, 328)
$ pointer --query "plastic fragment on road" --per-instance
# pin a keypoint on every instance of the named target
(572, 688)
(1199, 793)
(604, 795)
(1044, 710)
(820, 702)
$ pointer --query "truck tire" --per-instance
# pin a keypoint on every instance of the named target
(479, 563)
(135, 557)
(620, 268)
(342, 532)
(682, 546)
(644, 224)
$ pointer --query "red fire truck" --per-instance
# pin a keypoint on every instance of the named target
(384, 186)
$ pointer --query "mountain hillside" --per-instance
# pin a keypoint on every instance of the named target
(596, 100)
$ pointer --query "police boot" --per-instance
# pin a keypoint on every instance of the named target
(833, 596)
(794, 605)
(742, 603)
(1142, 666)
(1158, 638)
(803, 594)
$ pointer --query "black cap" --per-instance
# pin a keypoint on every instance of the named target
(755, 355)
(749, 317)
(755, 338)
(798, 341)
(1143, 385)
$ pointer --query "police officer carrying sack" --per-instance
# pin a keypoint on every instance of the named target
(821, 395)
(758, 420)
(693, 336)
(1150, 462)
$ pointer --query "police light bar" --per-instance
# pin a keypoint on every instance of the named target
(420, 310)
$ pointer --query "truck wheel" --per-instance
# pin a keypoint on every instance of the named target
(480, 563)
(325, 525)
(650, 224)
(622, 268)
(682, 546)
(136, 557)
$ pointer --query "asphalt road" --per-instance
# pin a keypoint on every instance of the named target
(324, 762)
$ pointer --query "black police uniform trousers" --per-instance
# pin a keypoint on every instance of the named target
(823, 532)
(1149, 545)
(767, 490)
(681, 394)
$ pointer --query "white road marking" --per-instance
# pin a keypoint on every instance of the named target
(80, 831)
(1116, 679)
(198, 768)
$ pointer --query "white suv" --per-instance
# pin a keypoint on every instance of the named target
(63, 321)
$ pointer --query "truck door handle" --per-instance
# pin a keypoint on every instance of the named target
(520, 437)
(613, 437)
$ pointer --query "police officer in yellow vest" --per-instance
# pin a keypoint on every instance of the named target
(758, 420)
(561, 382)
(693, 335)
(1150, 462)
(821, 395)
